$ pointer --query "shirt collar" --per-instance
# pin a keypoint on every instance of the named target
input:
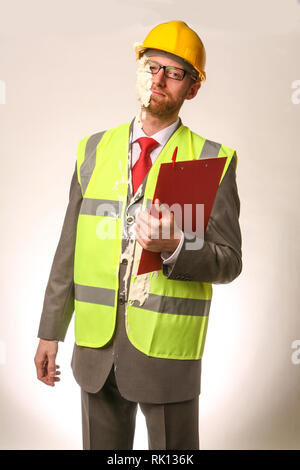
(161, 136)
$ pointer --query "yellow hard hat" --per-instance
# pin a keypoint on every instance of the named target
(176, 38)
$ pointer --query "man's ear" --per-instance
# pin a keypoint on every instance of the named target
(193, 90)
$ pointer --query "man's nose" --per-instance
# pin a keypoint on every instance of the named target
(159, 78)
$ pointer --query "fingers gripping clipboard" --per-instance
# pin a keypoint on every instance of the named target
(190, 184)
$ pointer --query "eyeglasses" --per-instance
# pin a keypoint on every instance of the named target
(169, 71)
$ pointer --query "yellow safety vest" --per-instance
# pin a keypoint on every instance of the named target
(172, 321)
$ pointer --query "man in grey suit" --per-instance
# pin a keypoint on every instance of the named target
(116, 377)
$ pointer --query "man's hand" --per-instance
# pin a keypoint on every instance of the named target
(45, 362)
(157, 234)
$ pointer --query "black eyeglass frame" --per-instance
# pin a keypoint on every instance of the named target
(165, 67)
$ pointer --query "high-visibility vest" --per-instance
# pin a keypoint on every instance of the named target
(172, 320)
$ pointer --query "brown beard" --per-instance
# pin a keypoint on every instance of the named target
(163, 108)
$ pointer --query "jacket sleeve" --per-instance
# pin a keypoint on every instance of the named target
(219, 260)
(58, 304)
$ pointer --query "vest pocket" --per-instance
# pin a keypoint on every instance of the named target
(167, 335)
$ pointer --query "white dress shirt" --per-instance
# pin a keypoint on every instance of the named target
(161, 137)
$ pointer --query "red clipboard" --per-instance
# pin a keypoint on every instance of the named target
(188, 182)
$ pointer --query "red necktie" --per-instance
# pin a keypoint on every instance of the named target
(144, 163)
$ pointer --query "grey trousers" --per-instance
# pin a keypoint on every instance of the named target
(108, 421)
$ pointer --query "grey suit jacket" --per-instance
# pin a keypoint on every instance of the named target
(141, 378)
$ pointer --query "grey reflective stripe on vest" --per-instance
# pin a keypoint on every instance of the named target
(89, 163)
(177, 305)
(103, 207)
(210, 149)
(148, 205)
(95, 295)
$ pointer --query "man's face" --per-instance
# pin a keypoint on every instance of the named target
(168, 95)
